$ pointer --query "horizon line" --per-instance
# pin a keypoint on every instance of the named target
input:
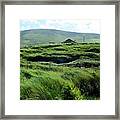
(58, 30)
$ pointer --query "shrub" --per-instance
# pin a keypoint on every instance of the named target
(87, 83)
(70, 92)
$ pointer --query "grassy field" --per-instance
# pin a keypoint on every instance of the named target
(60, 72)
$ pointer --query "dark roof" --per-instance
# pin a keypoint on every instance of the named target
(69, 41)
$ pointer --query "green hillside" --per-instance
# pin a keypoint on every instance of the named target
(45, 36)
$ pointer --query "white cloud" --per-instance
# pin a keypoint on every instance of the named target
(88, 26)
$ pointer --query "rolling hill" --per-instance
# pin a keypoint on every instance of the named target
(47, 36)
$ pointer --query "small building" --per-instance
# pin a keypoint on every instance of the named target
(51, 42)
(69, 41)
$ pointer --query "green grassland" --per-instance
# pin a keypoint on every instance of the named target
(60, 72)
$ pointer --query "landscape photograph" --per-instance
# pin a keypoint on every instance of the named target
(59, 59)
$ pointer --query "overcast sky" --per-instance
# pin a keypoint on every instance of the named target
(84, 26)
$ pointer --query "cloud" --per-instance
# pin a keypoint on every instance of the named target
(88, 26)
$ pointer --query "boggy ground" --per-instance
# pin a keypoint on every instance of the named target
(60, 72)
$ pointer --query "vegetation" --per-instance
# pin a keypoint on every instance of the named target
(45, 36)
(64, 71)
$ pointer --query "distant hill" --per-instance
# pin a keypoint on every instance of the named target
(46, 36)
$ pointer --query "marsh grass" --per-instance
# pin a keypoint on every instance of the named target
(77, 78)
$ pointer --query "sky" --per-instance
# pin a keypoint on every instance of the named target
(84, 26)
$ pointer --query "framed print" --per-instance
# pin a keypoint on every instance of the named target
(60, 60)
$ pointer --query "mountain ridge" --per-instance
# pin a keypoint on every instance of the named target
(44, 36)
(60, 30)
